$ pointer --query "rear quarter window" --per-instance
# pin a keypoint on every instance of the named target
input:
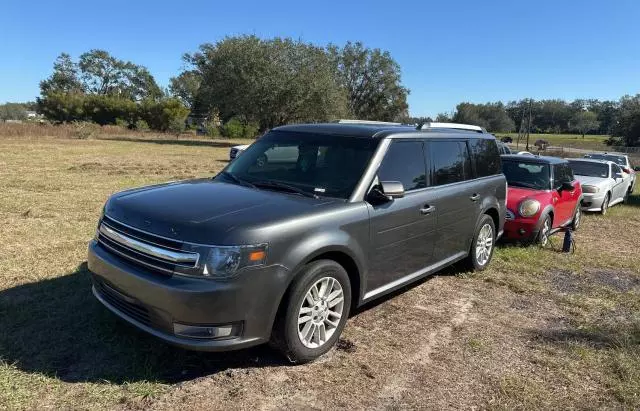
(486, 156)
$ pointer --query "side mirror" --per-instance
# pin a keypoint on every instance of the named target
(567, 187)
(392, 189)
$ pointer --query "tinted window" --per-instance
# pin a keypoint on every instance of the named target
(561, 174)
(487, 158)
(615, 169)
(404, 162)
(589, 169)
(621, 160)
(526, 174)
(319, 164)
(451, 161)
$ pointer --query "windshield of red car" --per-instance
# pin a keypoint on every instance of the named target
(526, 174)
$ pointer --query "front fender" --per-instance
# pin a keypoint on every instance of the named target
(317, 244)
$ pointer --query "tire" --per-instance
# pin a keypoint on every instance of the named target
(484, 240)
(306, 341)
(577, 218)
(543, 235)
(605, 204)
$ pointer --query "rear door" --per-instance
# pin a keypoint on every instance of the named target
(458, 199)
(402, 230)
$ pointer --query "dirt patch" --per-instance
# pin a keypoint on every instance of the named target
(619, 280)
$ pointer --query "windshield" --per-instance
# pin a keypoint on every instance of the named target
(303, 163)
(527, 174)
(587, 168)
(620, 160)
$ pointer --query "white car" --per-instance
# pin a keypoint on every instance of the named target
(620, 159)
(603, 183)
(236, 151)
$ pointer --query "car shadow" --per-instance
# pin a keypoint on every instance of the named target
(633, 200)
(166, 141)
(57, 328)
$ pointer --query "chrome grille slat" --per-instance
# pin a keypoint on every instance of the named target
(187, 259)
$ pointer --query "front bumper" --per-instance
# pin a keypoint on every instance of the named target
(521, 228)
(154, 302)
(592, 202)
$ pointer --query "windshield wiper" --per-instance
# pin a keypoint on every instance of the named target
(237, 180)
(276, 185)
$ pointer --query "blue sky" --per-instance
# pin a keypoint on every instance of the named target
(449, 51)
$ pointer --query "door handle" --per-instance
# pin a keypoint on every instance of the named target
(427, 210)
(475, 197)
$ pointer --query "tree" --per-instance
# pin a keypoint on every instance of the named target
(491, 116)
(627, 126)
(443, 118)
(64, 78)
(372, 80)
(270, 82)
(103, 74)
(13, 111)
(185, 87)
(585, 121)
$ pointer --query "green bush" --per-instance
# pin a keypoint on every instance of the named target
(233, 129)
(250, 130)
(212, 130)
(142, 125)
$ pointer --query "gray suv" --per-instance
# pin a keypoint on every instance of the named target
(281, 248)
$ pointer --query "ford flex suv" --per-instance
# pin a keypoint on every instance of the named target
(280, 248)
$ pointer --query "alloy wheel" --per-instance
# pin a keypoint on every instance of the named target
(544, 234)
(576, 219)
(605, 205)
(484, 244)
(320, 312)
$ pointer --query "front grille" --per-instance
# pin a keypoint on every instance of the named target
(158, 254)
(122, 303)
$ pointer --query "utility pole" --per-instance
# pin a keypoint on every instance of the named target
(529, 123)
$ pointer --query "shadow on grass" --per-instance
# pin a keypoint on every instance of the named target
(622, 335)
(166, 141)
(56, 327)
(633, 200)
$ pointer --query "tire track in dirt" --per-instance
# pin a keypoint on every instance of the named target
(396, 385)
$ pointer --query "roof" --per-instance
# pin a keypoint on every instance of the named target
(533, 159)
(378, 131)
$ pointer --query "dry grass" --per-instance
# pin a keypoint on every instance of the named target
(539, 329)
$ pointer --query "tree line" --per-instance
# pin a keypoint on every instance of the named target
(239, 85)
(619, 119)
(242, 85)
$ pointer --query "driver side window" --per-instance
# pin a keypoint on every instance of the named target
(404, 162)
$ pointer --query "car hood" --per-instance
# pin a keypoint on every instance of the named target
(592, 181)
(206, 211)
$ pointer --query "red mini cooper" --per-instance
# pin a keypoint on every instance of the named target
(543, 197)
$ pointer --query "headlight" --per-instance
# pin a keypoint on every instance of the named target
(529, 208)
(590, 189)
(225, 262)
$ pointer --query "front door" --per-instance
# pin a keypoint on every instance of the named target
(565, 200)
(402, 230)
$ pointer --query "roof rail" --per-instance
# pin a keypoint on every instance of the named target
(456, 126)
(371, 122)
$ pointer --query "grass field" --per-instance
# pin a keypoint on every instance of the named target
(539, 329)
(589, 142)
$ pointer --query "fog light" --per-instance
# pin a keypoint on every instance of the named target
(208, 332)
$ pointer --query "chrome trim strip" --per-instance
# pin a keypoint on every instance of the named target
(363, 185)
(413, 276)
(157, 252)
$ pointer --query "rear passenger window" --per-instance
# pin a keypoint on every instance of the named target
(404, 162)
(451, 161)
(486, 155)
